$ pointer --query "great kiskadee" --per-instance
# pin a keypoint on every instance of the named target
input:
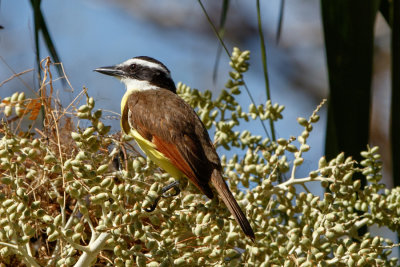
(169, 131)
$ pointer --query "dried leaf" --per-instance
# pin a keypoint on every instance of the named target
(33, 107)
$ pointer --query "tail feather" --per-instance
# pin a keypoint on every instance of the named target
(227, 197)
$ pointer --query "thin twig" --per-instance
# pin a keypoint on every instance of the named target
(65, 75)
(15, 75)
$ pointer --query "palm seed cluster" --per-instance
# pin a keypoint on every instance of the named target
(73, 194)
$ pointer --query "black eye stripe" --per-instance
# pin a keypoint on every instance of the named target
(157, 76)
(138, 70)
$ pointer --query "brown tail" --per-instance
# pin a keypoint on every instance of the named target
(226, 195)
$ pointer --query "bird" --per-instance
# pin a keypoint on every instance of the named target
(169, 131)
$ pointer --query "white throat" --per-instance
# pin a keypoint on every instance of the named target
(137, 85)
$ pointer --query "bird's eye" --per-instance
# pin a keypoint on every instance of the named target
(132, 66)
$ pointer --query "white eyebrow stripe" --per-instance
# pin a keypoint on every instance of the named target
(145, 63)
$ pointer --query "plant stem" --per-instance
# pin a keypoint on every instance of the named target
(265, 68)
(227, 52)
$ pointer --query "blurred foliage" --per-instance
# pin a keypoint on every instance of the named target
(65, 201)
(394, 7)
(40, 26)
(349, 42)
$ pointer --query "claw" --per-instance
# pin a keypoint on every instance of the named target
(174, 185)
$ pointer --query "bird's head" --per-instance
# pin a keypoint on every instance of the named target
(141, 73)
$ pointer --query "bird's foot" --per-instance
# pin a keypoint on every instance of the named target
(164, 190)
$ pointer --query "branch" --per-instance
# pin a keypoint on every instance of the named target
(9, 245)
(87, 258)
(304, 180)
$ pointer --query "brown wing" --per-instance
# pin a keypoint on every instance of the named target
(172, 153)
(166, 120)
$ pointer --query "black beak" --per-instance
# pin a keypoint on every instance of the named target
(111, 70)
